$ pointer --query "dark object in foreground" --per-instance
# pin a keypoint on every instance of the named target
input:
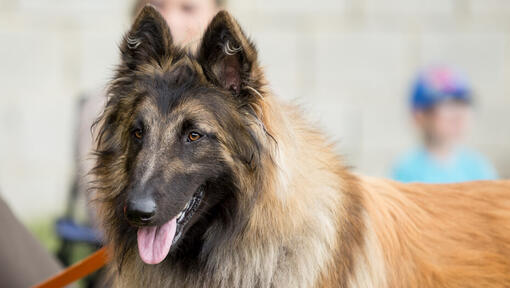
(23, 261)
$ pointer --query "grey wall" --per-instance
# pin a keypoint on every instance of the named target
(348, 62)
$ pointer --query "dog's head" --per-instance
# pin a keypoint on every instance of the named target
(180, 134)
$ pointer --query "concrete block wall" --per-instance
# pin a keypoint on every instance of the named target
(51, 52)
(348, 62)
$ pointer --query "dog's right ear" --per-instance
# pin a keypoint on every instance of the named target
(148, 41)
(229, 58)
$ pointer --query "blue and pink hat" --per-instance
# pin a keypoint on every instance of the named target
(439, 83)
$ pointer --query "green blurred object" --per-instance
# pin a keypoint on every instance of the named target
(44, 231)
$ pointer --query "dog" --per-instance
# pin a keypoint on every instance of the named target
(206, 179)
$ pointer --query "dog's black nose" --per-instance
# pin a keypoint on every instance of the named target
(140, 211)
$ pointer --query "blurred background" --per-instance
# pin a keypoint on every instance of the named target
(350, 63)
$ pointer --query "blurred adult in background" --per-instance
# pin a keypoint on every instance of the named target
(441, 103)
(23, 261)
(187, 20)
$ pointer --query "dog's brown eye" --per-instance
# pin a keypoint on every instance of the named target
(194, 136)
(138, 134)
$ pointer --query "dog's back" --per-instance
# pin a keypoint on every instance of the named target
(454, 235)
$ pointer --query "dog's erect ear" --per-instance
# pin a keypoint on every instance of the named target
(148, 40)
(227, 56)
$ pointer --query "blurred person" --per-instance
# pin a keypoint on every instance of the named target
(187, 20)
(23, 260)
(441, 103)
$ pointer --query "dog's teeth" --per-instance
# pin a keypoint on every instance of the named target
(179, 217)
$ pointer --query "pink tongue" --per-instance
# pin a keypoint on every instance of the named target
(154, 242)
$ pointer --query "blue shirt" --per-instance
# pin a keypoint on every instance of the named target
(464, 165)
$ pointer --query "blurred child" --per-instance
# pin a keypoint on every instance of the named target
(441, 103)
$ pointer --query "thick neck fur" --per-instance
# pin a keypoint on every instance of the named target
(292, 231)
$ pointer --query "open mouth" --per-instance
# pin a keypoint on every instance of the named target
(187, 213)
(154, 242)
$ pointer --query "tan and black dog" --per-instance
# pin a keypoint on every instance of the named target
(205, 179)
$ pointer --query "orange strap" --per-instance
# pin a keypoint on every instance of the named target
(77, 271)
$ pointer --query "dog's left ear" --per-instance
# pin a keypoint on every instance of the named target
(228, 58)
(148, 40)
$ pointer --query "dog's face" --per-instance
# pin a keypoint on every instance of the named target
(177, 133)
(174, 150)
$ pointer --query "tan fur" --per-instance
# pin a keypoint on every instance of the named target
(414, 235)
(455, 235)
